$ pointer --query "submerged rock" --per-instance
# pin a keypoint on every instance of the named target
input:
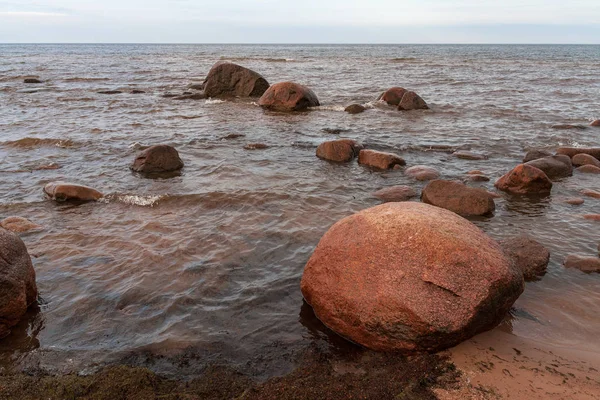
(256, 146)
(355, 109)
(575, 201)
(525, 179)
(458, 198)
(110, 92)
(412, 101)
(588, 169)
(157, 159)
(585, 159)
(379, 159)
(568, 126)
(529, 256)
(339, 150)
(422, 173)
(31, 80)
(18, 224)
(535, 154)
(409, 277)
(288, 96)
(63, 191)
(573, 151)
(393, 96)
(18, 289)
(585, 264)
(467, 155)
(191, 96)
(591, 193)
(227, 79)
(395, 193)
(555, 167)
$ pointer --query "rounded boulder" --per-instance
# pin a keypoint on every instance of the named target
(157, 159)
(288, 96)
(393, 96)
(525, 179)
(458, 198)
(409, 277)
(64, 191)
(338, 150)
(227, 79)
(529, 255)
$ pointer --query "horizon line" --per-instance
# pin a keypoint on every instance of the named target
(309, 44)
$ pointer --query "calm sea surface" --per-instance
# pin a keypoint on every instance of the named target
(209, 263)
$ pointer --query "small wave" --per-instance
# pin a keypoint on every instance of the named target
(78, 79)
(214, 101)
(29, 143)
(329, 108)
(134, 200)
(265, 59)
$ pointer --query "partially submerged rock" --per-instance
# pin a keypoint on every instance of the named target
(595, 123)
(157, 159)
(227, 79)
(591, 193)
(110, 92)
(588, 169)
(536, 154)
(458, 198)
(256, 146)
(339, 150)
(355, 109)
(31, 80)
(555, 167)
(393, 96)
(18, 289)
(573, 151)
(379, 159)
(585, 264)
(63, 191)
(395, 193)
(412, 101)
(18, 224)
(585, 159)
(525, 179)
(575, 201)
(288, 96)
(529, 256)
(409, 277)
(422, 173)
(467, 155)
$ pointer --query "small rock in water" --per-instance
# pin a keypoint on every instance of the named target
(591, 193)
(18, 224)
(18, 289)
(595, 123)
(422, 173)
(137, 91)
(585, 159)
(379, 159)
(477, 178)
(530, 256)
(157, 159)
(555, 167)
(575, 201)
(395, 193)
(110, 92)
(339, 150)
(288, 96)
(63, 191)
(191, 96)
(525, 179)
(393, 96)
(31, 80)
(467, 155)
(592, 217)
(535, 154)
(169, 95)
(568, 126)
(412, 101)
(588, 169)
(334, 131)
(355, 109)
(233, 136)
(573, 151)
(458, 198)
(585, 264)
(475, 172)
(256, 146)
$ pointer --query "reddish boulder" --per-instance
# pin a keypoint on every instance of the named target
(354, 109)
(588, 169)
(592, 217)
(575, 201)
(591, 193)
(525, 179)
(535, 154)
(157, 159)
(256, 146)
(529, 256)
(585, 264)
(477, 178)
(18, 224)
(422, 173)
(288, 96)
(63, 191)
(412, 101)
(18, 290)
(409, 277)
(585, 159)
(379, 159)
(393, 96)
(555, 167)
(573, 151)
(395, 193)
(226, 79)
(458, 198)
(338, 150)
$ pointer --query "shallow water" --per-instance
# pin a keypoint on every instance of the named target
(211, 260)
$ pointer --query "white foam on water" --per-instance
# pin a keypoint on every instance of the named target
(133, 200)
(214, 101)
(329, 108)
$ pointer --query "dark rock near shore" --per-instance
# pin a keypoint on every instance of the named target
(555, 167)
(458, 198)
(569, 126)
(529, 256)
(585, 159)
(573, 151)
(288, 96)
(226, 79)
(525, 179)
(196, 86)
(409, 277)
(233, 136)
(18, 289)
(393, 96)
(422, 173)
(192, 96)
(535, 154)
(31, 80)
(157, 159)
(467, 155)
(137, 91)
(110, 92)
(63, 191)
(588, 169)
(339, 150)
(395, 193)
(412, 101)
(355, 109)
(379, 159)
(585, 264)
(18, 224)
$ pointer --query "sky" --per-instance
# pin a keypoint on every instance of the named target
(307, 21)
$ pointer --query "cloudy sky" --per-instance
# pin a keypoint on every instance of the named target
(307, 21)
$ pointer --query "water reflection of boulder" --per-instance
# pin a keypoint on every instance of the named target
(24, 336)
(529, 205)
